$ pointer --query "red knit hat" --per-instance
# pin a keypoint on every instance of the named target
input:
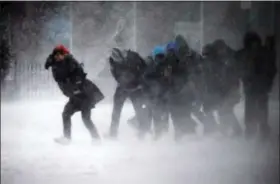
(61, 49)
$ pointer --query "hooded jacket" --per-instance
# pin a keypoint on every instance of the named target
(127, 68)
(71, 79)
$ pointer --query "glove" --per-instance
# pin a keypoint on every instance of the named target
(48, 63)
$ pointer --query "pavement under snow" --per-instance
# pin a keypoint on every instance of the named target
(30, 156)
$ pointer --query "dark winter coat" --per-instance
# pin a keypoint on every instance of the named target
(186, 77)
(221, 77)
(127, 69)
(170, 80)
(72, 81)
(158, 84)
(69, 69)
(258, 70)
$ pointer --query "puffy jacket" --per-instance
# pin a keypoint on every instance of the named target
(71, 79)
(127, 68)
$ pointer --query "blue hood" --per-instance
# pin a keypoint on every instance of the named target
(158, 50)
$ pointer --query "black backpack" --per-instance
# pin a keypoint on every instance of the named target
(128, 59)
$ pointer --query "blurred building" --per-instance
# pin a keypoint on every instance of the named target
(90, 29)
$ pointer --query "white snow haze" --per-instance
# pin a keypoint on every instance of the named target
(32, 105)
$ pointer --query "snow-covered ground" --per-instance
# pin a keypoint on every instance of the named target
(30, 156)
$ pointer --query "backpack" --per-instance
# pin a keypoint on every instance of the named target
(128, 59)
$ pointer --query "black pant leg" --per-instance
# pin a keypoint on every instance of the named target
(69, 109)
(165, 116)
(182, 120)
(119, 99)
(160, 118)
(250, 115)
(142, 110)
(262, 115)
(86, 117)
(150, 115)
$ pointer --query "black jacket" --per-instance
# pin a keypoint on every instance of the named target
(69, 69)
(71, 79)
(128, 70)
(167, 80)
(258, 70)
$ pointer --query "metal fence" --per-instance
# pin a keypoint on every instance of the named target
(31, 81)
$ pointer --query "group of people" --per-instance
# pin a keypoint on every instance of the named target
(175, 82)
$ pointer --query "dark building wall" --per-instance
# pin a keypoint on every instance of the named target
(275, 93)
(277, 30)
